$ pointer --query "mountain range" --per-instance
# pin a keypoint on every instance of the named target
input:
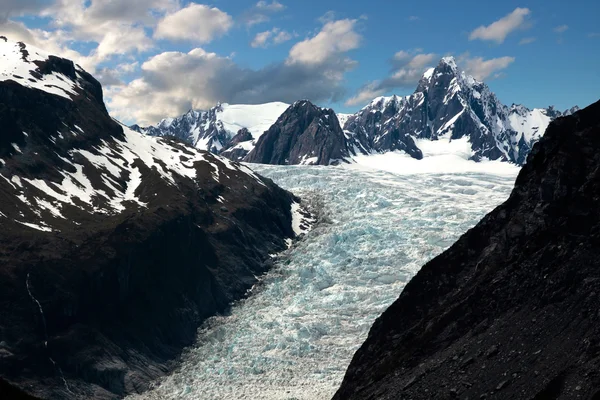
(447, 105)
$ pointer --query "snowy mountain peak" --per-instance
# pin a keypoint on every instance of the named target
(518, 109)
(450, 62)
(428, 74)
(382, 102)
(39, 70)
(215, 128)
(449, 104)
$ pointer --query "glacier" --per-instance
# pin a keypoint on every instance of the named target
(294, 336)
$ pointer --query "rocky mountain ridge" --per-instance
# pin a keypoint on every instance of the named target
(510, 310)
(115, 246)
(306, 135)
(447, 105)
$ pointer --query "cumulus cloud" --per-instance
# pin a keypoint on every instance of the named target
(561, 28)
(261, 12)
(273, 36)
(17, 7)
(123, 41)
(118, 27)
(366, 94)
(482, 69)
(173, 82)
(196, 22)
(273, 6)
(329, 16)
(408, 67)
(500, 29)
(335, 38)
(109, 77)
(144, 11)
(128, 68)
(527, 40)
(55, 42)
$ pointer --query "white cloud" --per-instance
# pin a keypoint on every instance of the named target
(261, 39)
(366, 94)
(482, 69)
(273, 6)
(561, 28)
(594, 34)
(261, 12)
(118, 27)
(128, 68)
(174, 82)
(499, 30)
(408, 67)
(144, 11)
(335, 37)
(282, 37)
(273, 36)
(196, 22)
(109, 77)
(55, 42)
(527, 40)
(18, 7)
(407, 60)
(413, 18)
(123, 41)
(329, 16)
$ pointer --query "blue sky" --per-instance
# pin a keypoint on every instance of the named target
(158, 58)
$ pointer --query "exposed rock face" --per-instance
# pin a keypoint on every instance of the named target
(214, 130)
(304, 134)
(201, 129)
(511, 310)
(114, 246)
(238, 148)
(448, 105)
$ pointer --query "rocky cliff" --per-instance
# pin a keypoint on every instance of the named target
(447, 105)
(114, 246)
(510, 311)
(303, 134)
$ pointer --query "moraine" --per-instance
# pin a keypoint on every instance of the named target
(295, 336)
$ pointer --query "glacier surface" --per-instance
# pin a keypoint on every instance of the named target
(295, 335)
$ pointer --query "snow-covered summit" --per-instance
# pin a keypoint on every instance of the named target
(450, 104)
(66, 164)
(449, 61)
(214, 129)
(36, 69)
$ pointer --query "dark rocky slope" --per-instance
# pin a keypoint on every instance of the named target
(304, 134)
(114, 247)
(511, 310)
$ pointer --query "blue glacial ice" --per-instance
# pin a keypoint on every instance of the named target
(294, 337)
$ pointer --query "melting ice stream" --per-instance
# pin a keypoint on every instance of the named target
(295, 336)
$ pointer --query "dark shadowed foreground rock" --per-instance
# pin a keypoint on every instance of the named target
(511, 311)
(114, 246)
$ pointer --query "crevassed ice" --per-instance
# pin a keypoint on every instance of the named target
(294, 337)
